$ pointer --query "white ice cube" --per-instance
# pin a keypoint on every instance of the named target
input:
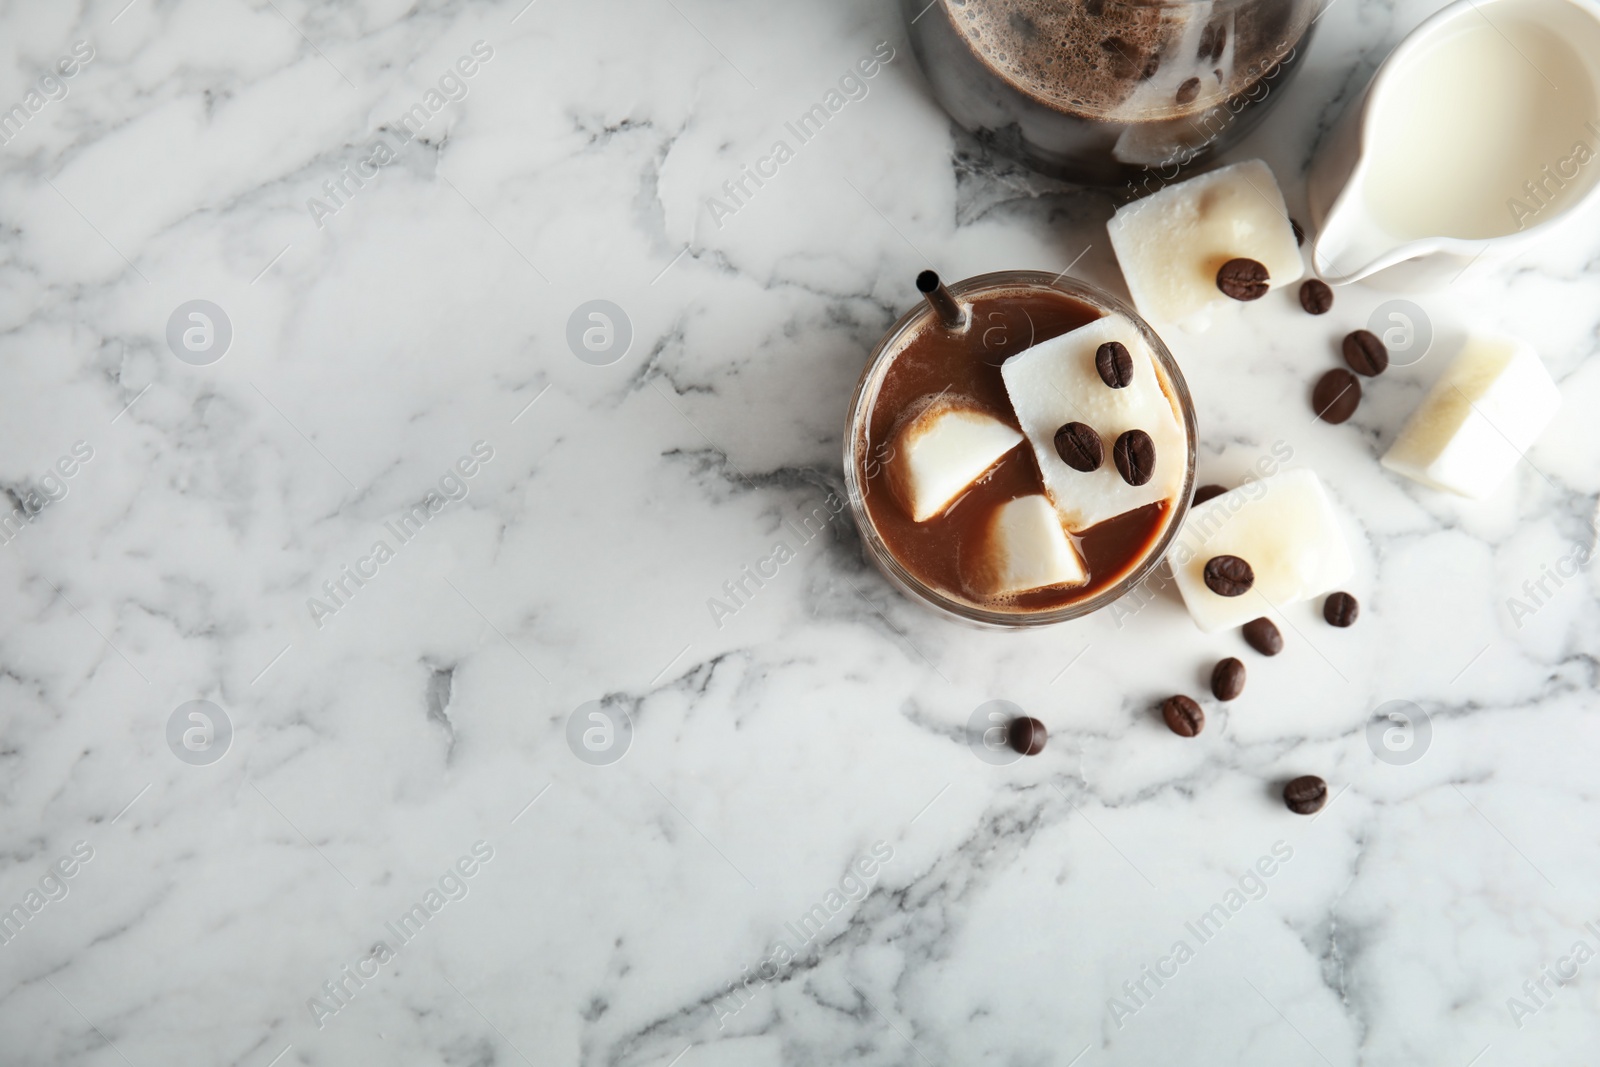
(1284, 527)
(1023, 547)
(1492, 403)
(1171, 243)
(940, 448)
(1055, 382)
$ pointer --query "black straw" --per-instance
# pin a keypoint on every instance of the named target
(944, 305)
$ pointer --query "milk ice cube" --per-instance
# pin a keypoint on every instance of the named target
(1171, 243)
(1284, 527)
(1492, 403)
(941, 446)
(1023, 547)
(1055, 382)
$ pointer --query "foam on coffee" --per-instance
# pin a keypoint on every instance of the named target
(1091, 56)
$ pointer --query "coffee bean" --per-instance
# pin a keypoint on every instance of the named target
(1340, 609)
(1135, 456)
(1306, 795)
(1227, 679)
(1336, 395)
(1213, 41)
(1263, 636)
(1229, 576)
(1206, 492)
(1188, 91)
(1316, 297)
(1080, 447)
(1243, 279)
(1365, 353)
(1027, 736)
(1299, 233)
(1183, 716)
(1114, 364)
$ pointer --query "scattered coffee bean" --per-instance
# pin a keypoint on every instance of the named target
(1315, 296)
(1213, 41)
(1206, 492)
(1229, 576)
(1183, 716)
(1114, 364)
(1188, 91)
(1135, 456)
(1365, 353)
(1340, 609)
(1299, 233)
(1027, 736)
(1336, 396)
(1227, 679)
(1306, 795)
(1080, 447)
(1243, 279)
(1263, 636)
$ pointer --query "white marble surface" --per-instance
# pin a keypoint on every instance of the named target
(369, 755)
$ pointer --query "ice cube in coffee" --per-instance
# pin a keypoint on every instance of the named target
(1024, 458)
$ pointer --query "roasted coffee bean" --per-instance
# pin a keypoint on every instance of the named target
(1336, 396)
(1316, 297)
(1365, 353)
(1027, 736)
(1188, 91)
(1229, 576)
(1299, 233)
(1213, 41)
(1080, 447)
(1340, 609)
(1306, 795)
(1114, 364)
(1227, 679)
(1206, 492)
(1243, 279)
(1263, 636)
(1183, 716)
(1135, 456)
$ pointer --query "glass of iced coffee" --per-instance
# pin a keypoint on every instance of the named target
(1020, 449)
(1110, 92)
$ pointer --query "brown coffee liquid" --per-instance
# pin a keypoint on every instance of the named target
(1087, 57)
(966, 365)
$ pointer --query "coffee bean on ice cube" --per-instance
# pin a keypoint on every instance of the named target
(1135, 456)
(1229, 576)
(1243, 279)
(1080, 447)
(1114, 363)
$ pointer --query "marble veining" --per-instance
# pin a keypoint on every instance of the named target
(397, 311)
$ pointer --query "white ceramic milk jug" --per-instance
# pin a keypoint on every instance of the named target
(1479, 134)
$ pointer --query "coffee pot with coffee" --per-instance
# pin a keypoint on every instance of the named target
(1113, 93)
